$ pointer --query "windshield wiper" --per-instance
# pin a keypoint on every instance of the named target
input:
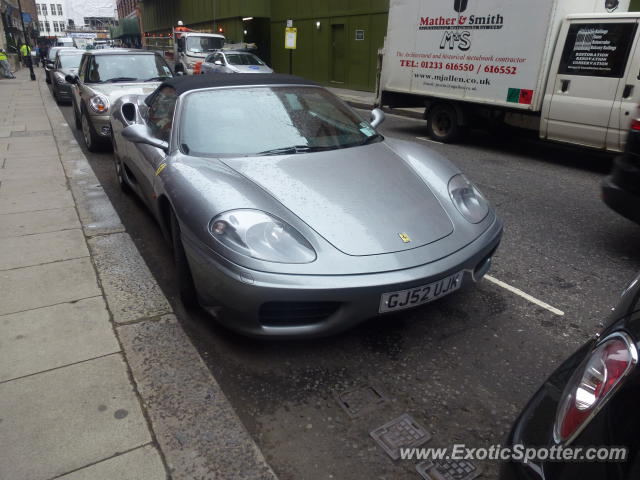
(155, 79)
(294, 149)
(121, 79)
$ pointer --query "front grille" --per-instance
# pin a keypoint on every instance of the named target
(280, 314)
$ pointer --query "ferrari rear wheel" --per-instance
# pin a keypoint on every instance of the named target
(186, 286)
(120, 175)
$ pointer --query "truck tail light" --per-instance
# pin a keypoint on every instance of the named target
(635, 124)
(593, 383)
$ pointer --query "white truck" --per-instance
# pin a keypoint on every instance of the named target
(193, 47)
(569, 69)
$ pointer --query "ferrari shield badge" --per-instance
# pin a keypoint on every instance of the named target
(404, 237)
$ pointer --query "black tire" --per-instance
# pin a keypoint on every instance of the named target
(47, 78)
(186, 286)
(442, 123)
(91, 139)
(75, 114)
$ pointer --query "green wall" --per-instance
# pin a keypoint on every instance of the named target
(314, 56)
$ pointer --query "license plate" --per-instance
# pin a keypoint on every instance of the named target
(393, 301)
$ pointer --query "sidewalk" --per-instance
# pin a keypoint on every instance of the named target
(97, 378)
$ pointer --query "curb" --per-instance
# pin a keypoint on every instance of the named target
(193, 425)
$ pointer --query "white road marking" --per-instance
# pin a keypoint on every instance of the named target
(429, 140)
(526, 296)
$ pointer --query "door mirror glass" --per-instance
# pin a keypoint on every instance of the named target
(217, 62)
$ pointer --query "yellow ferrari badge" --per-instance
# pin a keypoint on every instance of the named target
(160, 168)
(405, 238)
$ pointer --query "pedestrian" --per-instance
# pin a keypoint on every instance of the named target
(35, 55)
(43, 56)
(4, 64)
(25, 54)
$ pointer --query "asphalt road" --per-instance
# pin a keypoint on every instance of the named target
(463, 366)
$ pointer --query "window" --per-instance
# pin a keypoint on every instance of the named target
(38, 9)
(46, 26)
(60, 9)
(53, 8)
(161, 113)
(55, 27)
(44, 10)
(597, 49)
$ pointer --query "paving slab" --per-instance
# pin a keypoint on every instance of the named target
(30, 184)
(29, 250)
(51, 337)
(197, 429)
(140, 464)
(27, 223)
(28, 202)
(58, 421)
(43, 285)
(132, 292)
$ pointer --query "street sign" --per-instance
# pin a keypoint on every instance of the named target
(290, 35)
(289, 23)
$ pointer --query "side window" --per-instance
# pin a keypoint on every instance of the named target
(161, 113)
(83, 68)
(209, 59)
(218, 58)
(597, 49)
(92, 75)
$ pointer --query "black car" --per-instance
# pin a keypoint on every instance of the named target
(66, 63)
(621, 189)
(591, 400)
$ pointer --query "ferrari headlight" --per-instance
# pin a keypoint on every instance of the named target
(99, 104)
(468, 199)
(259, 235)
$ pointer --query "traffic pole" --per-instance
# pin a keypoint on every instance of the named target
(26, 41)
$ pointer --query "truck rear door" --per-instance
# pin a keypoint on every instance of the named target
(627, 100)
(589, 67)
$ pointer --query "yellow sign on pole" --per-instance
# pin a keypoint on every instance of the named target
(290, 35)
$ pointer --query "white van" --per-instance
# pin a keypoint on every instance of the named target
(65, 42)
(568, 69)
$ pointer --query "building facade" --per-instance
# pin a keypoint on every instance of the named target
(12, 32)
(52, 19)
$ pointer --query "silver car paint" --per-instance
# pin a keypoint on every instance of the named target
(210, 67)
(200, 188)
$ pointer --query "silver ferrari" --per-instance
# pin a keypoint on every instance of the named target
(288, 214)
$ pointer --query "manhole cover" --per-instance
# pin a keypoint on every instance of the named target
(403, 432)
(360, 400)
(450, 469)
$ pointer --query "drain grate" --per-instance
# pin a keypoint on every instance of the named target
(402, 432)
(360, 400)
(449, 469)
(32, 133)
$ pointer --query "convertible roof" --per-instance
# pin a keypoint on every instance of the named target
(185, 83)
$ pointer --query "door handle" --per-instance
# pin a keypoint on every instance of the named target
(564, 85)
(628, 91)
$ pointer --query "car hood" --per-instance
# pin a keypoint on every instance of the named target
(252, 69)
(362, 200)
(116, 90)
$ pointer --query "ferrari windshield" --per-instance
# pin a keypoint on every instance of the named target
(268, 121)
(204, 44)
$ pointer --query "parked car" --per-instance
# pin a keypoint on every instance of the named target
(66, 63)
(104, 76)
(233, 61)
(50, 62)
(621, 189)
(590, 400)
(288, 214)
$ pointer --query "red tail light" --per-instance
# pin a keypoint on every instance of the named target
(593, 383)
(635, 124)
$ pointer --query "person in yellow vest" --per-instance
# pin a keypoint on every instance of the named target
(25, 54)
(4, 64)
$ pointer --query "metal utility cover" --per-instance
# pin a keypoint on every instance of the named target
(359, 400)
(403, 432)
(449, 469)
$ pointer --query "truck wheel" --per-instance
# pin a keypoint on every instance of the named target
(442, 123)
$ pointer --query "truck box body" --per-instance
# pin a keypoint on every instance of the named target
(494, 52)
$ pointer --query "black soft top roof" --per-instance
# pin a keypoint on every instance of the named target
(185, 83)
